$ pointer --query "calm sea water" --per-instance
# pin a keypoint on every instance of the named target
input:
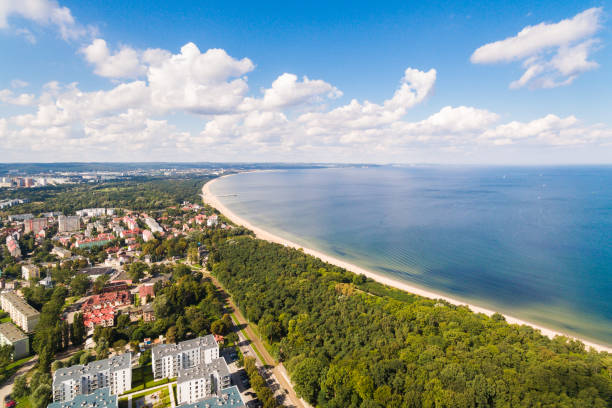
(532, 242)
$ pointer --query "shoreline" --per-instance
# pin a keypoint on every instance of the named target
(210, 199)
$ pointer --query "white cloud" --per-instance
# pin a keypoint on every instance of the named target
(288, 91)
(8, 96)
(45, 12)
(288, 121)
(123, 64)
(552, 54)
(203, 83)
(18, 83)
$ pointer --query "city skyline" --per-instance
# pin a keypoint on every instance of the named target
(403, 83)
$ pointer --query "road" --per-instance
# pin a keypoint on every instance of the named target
(7, 388)
(273, 372)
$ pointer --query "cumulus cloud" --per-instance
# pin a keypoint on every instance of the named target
(9, 97)
(45, 12)
(286, 121)
(125, 63)
(552, 54)
(287, 91)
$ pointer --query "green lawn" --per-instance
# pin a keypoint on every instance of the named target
(142, 378)
(23, 402)
(5, 319)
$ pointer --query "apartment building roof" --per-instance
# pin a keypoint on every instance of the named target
(75, 372)
(218, 365)
(229, 398)
(205, 342)
(11, 332)
(100, 398)
(21, 305)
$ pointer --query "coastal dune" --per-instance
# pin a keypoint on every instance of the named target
(210, 199)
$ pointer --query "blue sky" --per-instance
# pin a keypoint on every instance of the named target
(111, 81)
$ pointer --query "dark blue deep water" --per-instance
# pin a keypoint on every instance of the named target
(531, 242)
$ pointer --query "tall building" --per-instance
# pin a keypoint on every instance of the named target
(203, 381)
(34, 225)
(100, 398)
(114, 373)
(13, 247)
(29, 271)
(69, 223)
(22, 314)
(168, 359)
(227, 398)
(11, 335)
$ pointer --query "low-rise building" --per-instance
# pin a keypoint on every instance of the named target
(153, 225)
(61, 253)
(114, 373)
(96, 271)
(168, 359)
(100, 398)
(29, 271)
(202, 381)
(22, 314)
(212, 220)
(11, 335)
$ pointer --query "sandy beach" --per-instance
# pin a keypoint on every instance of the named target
(213, 201)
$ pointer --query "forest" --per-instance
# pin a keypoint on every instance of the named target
(144, 193)
(348, 341)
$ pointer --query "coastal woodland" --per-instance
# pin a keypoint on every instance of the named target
(350, 342)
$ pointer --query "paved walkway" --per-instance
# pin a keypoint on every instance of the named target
(7, 387)
(172, 402)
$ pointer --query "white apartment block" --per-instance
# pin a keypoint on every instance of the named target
(22, 314)
(169, 359)
(29, 271)
(203, 381)
(11, 335)
(114, 373)
(153, 225)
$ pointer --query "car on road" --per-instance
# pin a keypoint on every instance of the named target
(10, 404)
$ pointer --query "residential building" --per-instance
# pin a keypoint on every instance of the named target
(148, 313)
(34, 225)
(91, 212)
(228, 398)
(153, 225)
(13, 246)
(69, 223)
(20, 217)
(22, 314)
(29, 271)
(144, 290)
(100, 240)
(100, 398)
(114, 373)
(94, 272)
(147, 235)
(46, 282)
(212, 220)
(202, 381)
(61, 252)
(130, 222)
(169, 359)
(11, 335)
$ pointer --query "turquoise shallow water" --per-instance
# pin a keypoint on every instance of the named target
(532, 242)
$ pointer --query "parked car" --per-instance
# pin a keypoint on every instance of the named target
(11, 404)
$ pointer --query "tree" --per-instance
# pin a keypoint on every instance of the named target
(20, 387)
(171, 335)
(137, 270)
(80, 284)
(306, 376)
(78, 330)
(41, 396)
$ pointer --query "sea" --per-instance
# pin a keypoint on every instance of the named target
(531, 242)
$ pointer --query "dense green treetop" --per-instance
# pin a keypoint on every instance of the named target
(350, 342)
